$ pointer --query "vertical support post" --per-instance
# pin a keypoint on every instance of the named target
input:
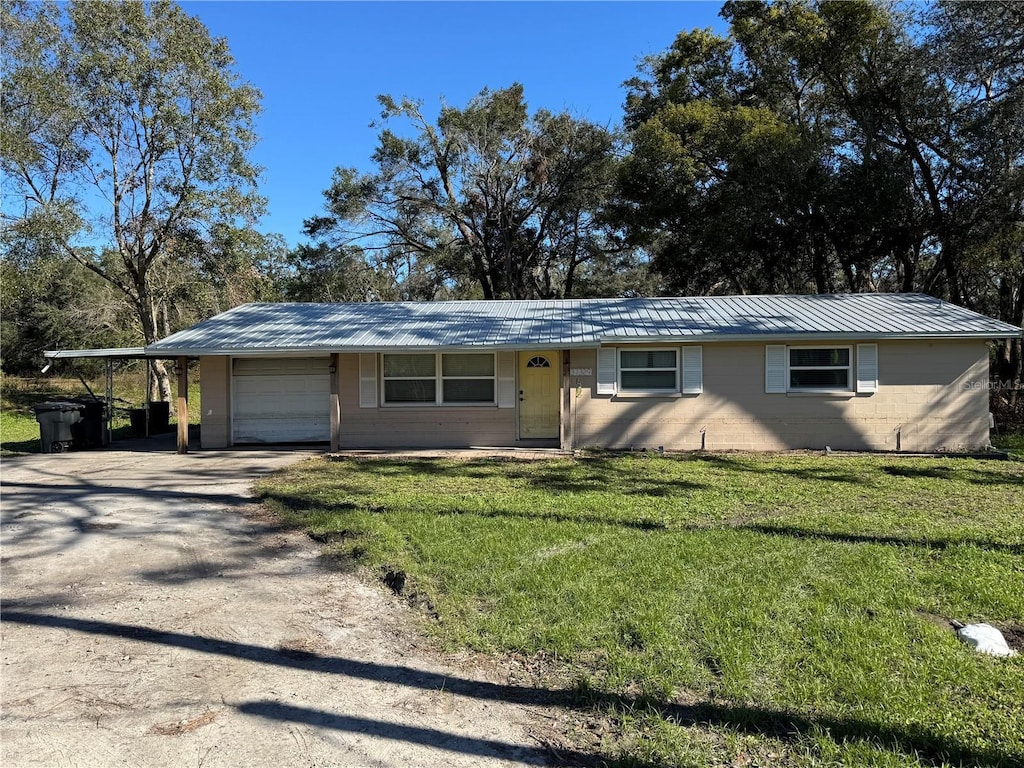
(108, 432)
(182, 405)
(566, 438)
(149, 389)
(335, 403)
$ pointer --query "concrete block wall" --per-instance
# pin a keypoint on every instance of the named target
(417, 427)
(924, 392)
(930, 393)
(215, 399)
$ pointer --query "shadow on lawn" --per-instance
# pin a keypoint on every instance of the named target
(978, 476)
(556, 475)
(877, 538)
(785, 726)
(22, 446)
(868, 473)
(637, 524)
(836, 474)
(303, 505)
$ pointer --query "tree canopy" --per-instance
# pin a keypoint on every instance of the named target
(836, 147)
(814, 147)
(485, 200)
(124, 143)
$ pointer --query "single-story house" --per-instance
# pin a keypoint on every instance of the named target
(849, 371)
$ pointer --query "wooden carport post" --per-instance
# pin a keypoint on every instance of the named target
(335, 404)
(182, 405)
(108, 432)
(566, 438)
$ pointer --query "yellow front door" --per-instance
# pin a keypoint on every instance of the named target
(538, 395)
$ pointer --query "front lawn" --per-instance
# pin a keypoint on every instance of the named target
(730, 609)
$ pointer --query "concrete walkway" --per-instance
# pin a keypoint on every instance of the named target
(154, 616)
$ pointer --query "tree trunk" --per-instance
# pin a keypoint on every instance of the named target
(160, 386)
(161, 382)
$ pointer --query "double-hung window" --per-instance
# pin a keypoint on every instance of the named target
(410, 379)
(467, 378)
(649, 370)
(439, 379)
(819, 369)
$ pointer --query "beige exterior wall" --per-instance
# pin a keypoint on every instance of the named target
(924, 389)
(215, 399)
(415, 427)
(923, 386)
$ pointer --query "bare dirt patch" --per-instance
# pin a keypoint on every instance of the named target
(1014, 634)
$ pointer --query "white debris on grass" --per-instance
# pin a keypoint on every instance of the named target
(985, 638)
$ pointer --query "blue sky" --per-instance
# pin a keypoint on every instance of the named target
(320, 66)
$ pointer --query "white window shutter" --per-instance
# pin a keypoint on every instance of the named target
(607, 370)
(367, 380)
(506, 379)
(867, 367)
(775, 368)
(693, 371)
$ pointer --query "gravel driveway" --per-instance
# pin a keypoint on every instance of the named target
(153, 616)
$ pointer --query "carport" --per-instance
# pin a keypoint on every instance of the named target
(109, 356)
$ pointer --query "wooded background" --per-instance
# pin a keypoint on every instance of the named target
(818, 147)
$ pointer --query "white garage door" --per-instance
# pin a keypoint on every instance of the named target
(281, 400)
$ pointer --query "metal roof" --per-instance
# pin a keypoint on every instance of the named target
(70, 354)
(256, 329)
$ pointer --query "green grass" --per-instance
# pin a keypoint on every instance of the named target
(19, 431)
(732, 609)
(1013, 443)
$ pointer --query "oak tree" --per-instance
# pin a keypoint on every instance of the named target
(486, 200)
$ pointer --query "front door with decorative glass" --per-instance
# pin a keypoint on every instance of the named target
(538, 395)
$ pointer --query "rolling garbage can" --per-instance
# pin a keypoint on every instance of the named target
(91, 431)
(159, 417)
(55, 421)
(137, 417)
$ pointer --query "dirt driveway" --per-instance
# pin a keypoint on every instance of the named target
(153, 617)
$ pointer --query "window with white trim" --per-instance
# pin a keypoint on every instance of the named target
(820, 369)
(649, 370)
(467, 378)
(439, 379)
(410, 379)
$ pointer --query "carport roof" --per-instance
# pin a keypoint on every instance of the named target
(293, 328)
(113, 352)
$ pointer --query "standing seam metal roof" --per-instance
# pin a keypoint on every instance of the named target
(296, 328)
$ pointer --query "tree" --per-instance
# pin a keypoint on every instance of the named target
(53, 302)
(981, 46)
(124, 140)
(486, 201)
(836, 146)
(322, 273)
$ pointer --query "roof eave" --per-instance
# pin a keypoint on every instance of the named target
(604, 340)
(328, 350)
(815, 336)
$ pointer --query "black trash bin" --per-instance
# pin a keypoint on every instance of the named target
(56, 419)
(159, 417)
(91, 431)
(137, 416)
